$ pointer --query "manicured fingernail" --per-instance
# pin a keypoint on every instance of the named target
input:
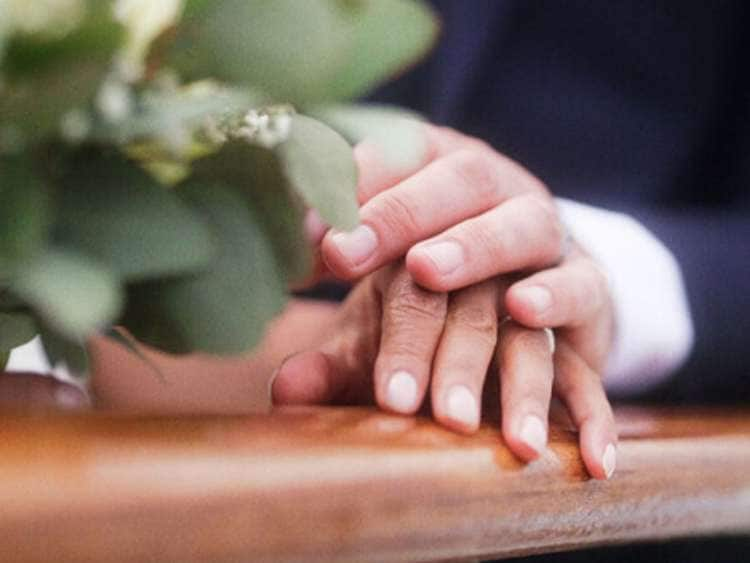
(69, 398)
(401, 395)
(462, 406)
(533, 433)
(447, 255)
(357, 245)
(540, 298)
(609, 460)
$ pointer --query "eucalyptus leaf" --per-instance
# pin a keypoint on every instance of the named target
(25, 213)
(389, 36)
(398, 134)
(290, 49)
(70, 293)
(45, 77)
(256, 174)
(71, 352)
(16, 329)
(225, 309)
(319, 165)
(113, 211)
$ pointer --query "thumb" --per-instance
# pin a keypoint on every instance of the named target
(30, 392)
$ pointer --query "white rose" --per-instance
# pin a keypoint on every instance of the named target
(144, 20)
(52, 18)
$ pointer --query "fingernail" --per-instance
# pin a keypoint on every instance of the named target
(357, 245)
(401, 395)
(540, 298)
(447, 256)
(69, 398)
(609, 460)
(462, 406)
(533, 433)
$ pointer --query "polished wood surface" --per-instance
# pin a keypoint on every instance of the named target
(353, 484)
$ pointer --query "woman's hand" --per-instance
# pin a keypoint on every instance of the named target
(394, 341)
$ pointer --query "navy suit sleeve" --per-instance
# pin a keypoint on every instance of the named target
(711, 247)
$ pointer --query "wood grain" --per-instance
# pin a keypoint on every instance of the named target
(353, 484)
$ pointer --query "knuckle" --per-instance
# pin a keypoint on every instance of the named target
(409, 301)
(525, 339)
(547, 219)
(475, 170)
(398, 215)
(478, 320)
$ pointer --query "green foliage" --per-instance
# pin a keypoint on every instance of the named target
(168, 194)
(72, 293)
(397, 133)
(47, 77)
(224, 309)
(24, 213)
(15, 330)
(115, 212)
(257, 175)
(319, 164)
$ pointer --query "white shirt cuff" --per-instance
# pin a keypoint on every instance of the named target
(653, 326)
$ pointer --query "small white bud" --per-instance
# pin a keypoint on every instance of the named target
(75, 126)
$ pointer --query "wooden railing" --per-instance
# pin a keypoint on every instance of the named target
(353, 484)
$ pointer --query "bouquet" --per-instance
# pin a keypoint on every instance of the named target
(157, 158)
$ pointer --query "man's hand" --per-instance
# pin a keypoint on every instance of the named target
(393, 341)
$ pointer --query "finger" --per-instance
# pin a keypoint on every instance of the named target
(524, 232)
(463, 356)
(376, 174)
(34, 392)
(566, 295)
(574, 295)
(338, 368)
(310, 378)
(447, 191)
(526, 374)
(413, 319)
(583, 393)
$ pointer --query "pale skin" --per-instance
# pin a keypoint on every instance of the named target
(470, 223)
(445, 253)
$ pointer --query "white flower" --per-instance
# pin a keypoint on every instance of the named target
(264, 128)
(144, 21)
(51, 18)
(114, 100)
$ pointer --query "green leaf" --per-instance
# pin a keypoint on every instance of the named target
(46, 77)
(225, 309)
(113, 211)
(25, 213)
(389, 36)
(256, 174)
(290, 49)
(70, 351)
(399, 134)
(16, 329)
(319, 164)
(4, 358)
(70, 293)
